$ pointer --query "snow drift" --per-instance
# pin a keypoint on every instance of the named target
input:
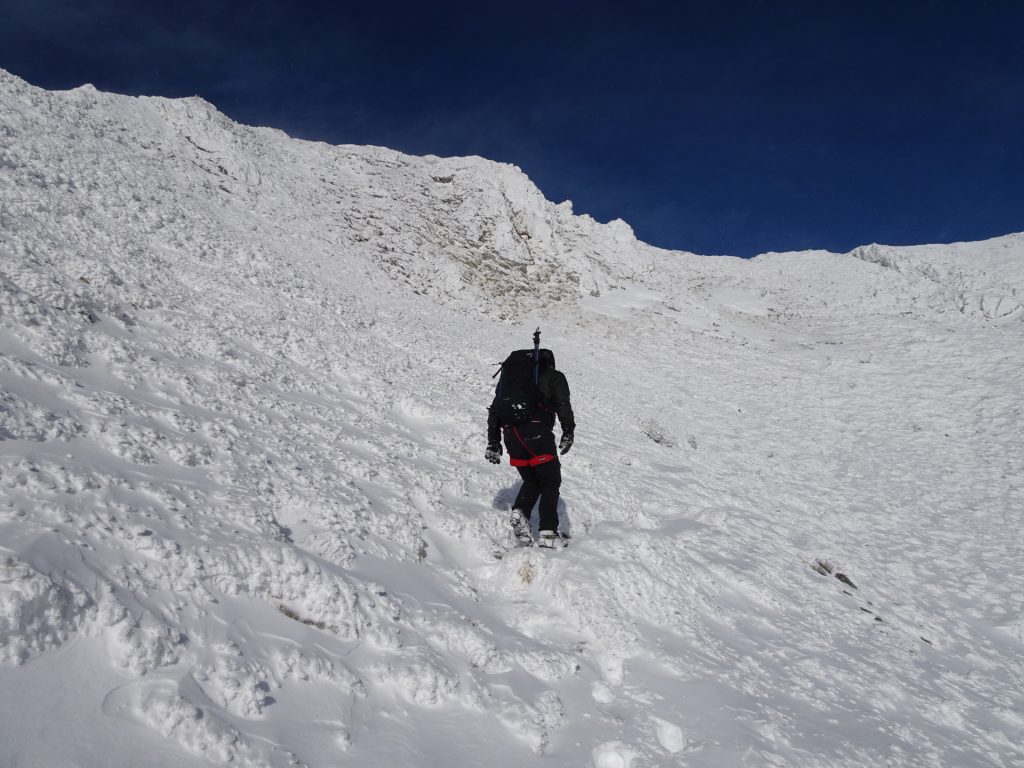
(245, 517)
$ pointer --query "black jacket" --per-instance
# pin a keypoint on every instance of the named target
(554, 390)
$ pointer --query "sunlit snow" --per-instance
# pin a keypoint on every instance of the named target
(245, 517)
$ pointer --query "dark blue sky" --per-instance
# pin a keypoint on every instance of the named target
(718, 127)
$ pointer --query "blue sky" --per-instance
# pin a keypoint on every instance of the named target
(717, 127)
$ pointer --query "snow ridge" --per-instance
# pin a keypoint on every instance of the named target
(244, 517)
(988, 284)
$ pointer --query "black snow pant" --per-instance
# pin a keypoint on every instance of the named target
(541, 482)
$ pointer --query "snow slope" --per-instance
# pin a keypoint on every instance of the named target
(244, 516)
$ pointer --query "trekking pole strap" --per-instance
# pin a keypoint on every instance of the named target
(536, 356)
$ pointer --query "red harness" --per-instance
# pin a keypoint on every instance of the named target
(535, 458)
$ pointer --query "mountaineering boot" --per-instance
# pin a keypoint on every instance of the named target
(551, 540)
(521, 528)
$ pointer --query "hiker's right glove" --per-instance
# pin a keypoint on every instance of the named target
(493, 453)
(566, 443)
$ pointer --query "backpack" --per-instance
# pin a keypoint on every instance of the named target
(517, 398)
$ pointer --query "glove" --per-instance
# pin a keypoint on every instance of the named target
(493, 453)
(566, 443)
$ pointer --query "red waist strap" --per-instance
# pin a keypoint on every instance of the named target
(533, 461)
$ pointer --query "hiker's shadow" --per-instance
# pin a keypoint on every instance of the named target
(504, 499)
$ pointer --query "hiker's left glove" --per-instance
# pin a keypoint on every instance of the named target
(493, 453)
(566, 443)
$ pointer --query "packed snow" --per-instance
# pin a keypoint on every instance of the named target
(245, 517)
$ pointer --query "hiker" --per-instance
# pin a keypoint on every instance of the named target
(528, 397)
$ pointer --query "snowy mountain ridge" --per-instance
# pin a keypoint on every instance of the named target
(982, 280)
(244, 516)
(491, 225)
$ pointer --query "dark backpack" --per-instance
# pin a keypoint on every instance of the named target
(517, 398)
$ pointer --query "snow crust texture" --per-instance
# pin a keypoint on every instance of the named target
(245, 519)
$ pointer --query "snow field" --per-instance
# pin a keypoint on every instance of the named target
(245, 517)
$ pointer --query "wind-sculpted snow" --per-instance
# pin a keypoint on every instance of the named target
(244, 516)
(978, 278)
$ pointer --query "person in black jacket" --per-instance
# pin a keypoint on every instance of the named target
(525, 417)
